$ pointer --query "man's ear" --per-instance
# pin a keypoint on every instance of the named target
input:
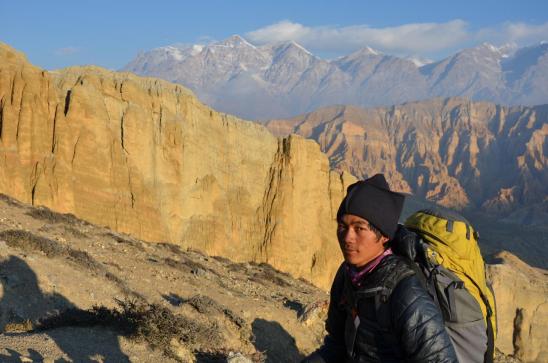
(383, 240)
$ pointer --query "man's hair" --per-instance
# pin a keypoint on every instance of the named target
(377, 232)
(373, 229)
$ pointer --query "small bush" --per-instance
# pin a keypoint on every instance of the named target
(83, 259)
(46, 214)
(29, 242)
(75, 232)
(173, 248)
(187, 265)
(10, 201)
(128, 241)
(269, 273)
(152, 323)
(206, 305)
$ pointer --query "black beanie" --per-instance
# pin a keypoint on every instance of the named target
(373, 200)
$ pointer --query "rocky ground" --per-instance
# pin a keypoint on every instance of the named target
(75, 292)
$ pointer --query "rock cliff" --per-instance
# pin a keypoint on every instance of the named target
(145, 157)
(522, 307)
(452, 151)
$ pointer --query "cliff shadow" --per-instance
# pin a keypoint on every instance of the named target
(275, 342)
(22, 300)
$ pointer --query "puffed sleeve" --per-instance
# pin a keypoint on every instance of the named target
(419, 324)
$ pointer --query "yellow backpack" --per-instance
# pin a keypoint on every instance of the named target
(448, 254)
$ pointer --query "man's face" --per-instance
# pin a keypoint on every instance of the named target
(359, 244)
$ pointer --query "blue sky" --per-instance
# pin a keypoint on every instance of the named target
(61, 33)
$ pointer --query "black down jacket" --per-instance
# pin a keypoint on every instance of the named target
(398, 321)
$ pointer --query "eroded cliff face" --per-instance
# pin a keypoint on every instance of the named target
(452, 151)
(522, 308)
(145, 157)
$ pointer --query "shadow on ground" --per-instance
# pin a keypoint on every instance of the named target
(275, 342)
(22, 300)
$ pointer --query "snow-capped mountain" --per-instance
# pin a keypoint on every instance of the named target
(285, 79)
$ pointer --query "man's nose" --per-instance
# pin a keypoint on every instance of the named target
(349, 236)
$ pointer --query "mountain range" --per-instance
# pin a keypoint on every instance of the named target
(140, 159)
(284, 79)
(454, 151)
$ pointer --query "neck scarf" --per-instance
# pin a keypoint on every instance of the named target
(356, 274)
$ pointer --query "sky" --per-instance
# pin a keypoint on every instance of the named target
(58, 33)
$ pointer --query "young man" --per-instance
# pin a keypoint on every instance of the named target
(378, 311)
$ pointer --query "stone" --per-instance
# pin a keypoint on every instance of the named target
(237, 358)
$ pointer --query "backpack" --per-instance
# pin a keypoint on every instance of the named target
(444, 248)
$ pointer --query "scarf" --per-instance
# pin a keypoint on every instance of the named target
(356, 274)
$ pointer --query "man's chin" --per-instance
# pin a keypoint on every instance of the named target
(351, 259)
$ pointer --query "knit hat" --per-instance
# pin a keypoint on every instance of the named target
(373, 200)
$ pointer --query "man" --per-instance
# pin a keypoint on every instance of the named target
(378, 311)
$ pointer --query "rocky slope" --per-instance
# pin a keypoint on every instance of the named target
(145, 157)
(522, 303)
(453, 151)
(283, 80)
(198, 308)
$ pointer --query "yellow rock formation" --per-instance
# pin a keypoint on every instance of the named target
(145, 157)
(522, 308)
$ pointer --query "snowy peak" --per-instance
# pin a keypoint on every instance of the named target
(527, 61)
(235, 41)
(369, 51)
(282, 49)
(366, 52)
(284, 79)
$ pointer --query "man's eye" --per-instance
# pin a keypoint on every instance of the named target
(341, 227)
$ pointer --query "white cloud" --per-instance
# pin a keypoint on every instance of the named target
(519, 33)
(66, 51)
(409, 38)
(419, 39)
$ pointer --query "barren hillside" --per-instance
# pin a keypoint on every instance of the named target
(72, 291)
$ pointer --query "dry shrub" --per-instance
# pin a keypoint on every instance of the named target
(185, 264)
(173, 248)
(46, 214)
(238, 267)
(206, 305)
(152, 323)
(267, 273)
(9, 200)
(223, 260)
(125, 240)
(75, 232)
(29, 242)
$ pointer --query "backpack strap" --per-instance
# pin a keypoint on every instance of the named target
(380, 295)
(489, 353)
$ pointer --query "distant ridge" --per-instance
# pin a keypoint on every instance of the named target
(284, 79)
(453, 151)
